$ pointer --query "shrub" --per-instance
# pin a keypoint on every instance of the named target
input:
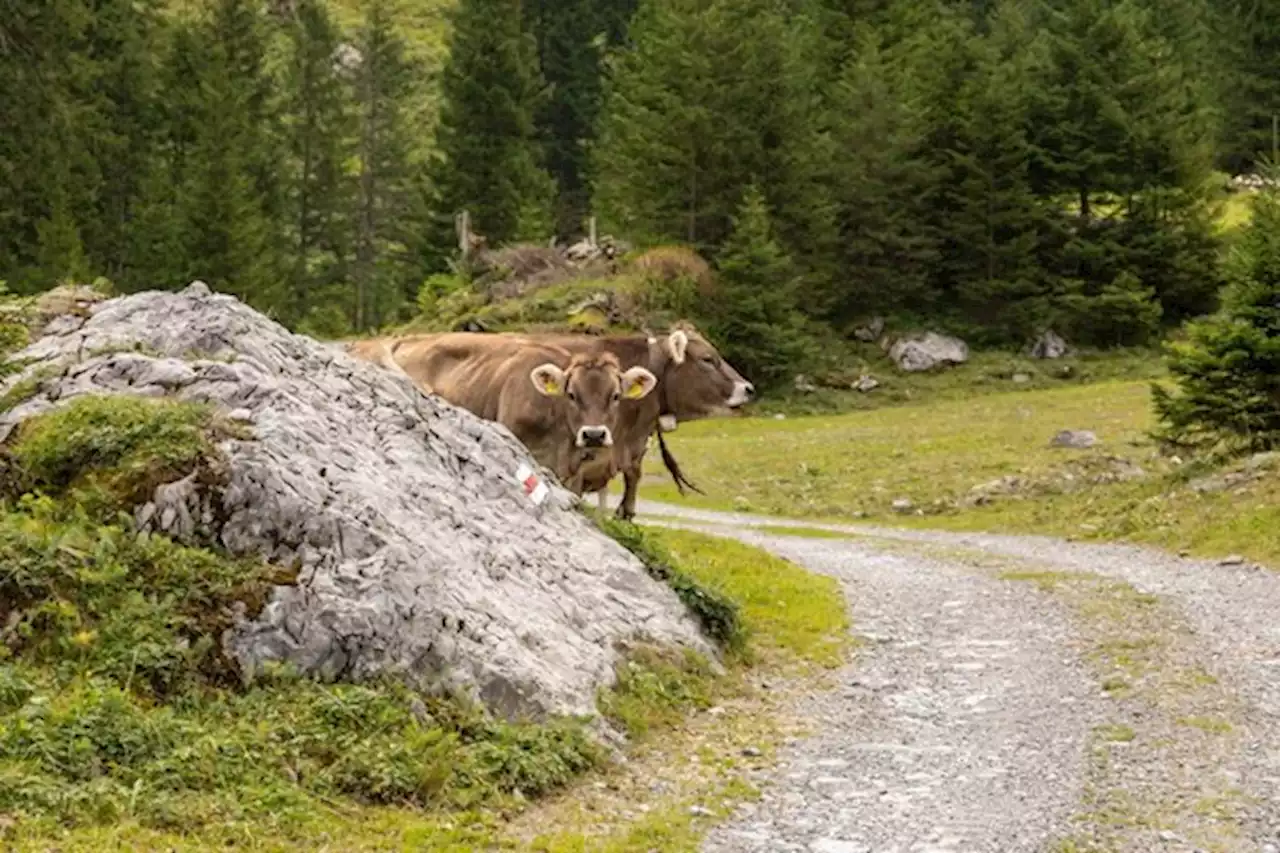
(670, 264)
(436, 288)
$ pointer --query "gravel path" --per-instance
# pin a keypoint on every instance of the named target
(1020, 693)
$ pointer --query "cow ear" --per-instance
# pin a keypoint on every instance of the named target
(548, 379)
(637, 383)
(677, 343)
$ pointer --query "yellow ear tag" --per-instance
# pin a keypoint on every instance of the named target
(552, 387)
(636, 391)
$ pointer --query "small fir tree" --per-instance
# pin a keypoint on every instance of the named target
(1227, 371)
(754, 318)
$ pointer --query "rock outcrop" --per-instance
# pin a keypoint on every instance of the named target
(420, 552)
(1049, 345)
(927, 351)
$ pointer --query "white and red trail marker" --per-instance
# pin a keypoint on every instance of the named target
(533, 485)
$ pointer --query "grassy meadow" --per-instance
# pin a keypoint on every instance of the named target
(981, 460)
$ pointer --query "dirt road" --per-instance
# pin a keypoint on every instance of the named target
(1025, 694)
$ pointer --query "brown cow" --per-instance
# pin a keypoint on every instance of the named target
(693, 382)
(562, 406)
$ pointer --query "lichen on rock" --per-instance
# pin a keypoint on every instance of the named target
(418, 552)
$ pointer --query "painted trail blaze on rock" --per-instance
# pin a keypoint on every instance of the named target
(417, 554)
(533, 485)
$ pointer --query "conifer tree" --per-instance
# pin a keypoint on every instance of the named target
(572, 38)
(384, 272)
(488, 159)
(1251, 41)
(994, 225)
(121, 103)
(229, 204)
(49, 178)
(881, 185)
(710, 97)
(1227, 371)
(754, 319)
(319, 128)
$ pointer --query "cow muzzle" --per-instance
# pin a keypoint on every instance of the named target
(595, 436)
(742, 394)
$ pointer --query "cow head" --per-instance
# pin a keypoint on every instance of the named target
(591, 388)
(697, 381)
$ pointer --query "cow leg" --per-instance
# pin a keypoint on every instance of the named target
(602, 497)
(627, 507)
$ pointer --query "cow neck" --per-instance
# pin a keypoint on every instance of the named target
(665, 365)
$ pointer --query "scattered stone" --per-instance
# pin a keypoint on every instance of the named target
(866, 383)
(779, 417)
(1078, 439)
(751, 752)
(1049, 345)
(928, 351)
(983, 493)
(871, 331)
(805, 384)
(1232, 560)
(715, 711)
(1252, 469)
(1021, 378)
(903, 505)
(418, 551)
(699, 811)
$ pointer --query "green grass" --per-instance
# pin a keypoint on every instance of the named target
(854, 466)
(785, 609)
(836, 467)
(986, 372)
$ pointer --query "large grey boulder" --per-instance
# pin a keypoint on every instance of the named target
(420, 552)
(927, 351)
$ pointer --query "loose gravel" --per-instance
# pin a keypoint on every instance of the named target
(1020, 693)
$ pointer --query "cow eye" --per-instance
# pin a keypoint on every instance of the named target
(616, 396)
(573, 397)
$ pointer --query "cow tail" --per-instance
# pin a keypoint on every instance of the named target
(674, 467)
